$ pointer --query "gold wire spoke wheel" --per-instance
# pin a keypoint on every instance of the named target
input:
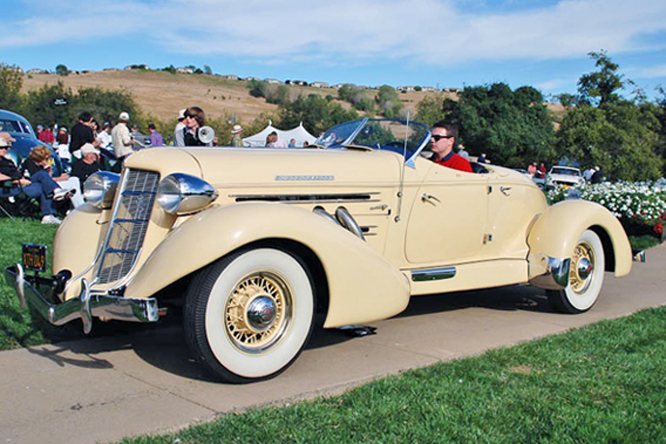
(586, 276)
(582, 268)
(249, 314)
(258, 312)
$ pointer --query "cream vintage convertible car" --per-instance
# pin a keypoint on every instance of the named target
(255, 242)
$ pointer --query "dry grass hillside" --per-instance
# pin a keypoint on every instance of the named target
(162, 94)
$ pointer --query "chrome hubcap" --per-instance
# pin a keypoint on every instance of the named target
(261, 313)
(584, 268)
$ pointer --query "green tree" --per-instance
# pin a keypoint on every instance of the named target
(618, 135)
(316, 113)
(429, 110)
(277, 94)
(207, 70)
(257, 88)
(660, 114)
(600, 87)
(11, 81)
(388, 101)
(512, 127)
(356, 96)
(62, 70)
(620, 138)
(40, 105)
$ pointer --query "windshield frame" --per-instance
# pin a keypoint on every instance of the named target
(348, 141)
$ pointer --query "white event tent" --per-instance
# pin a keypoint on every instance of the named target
(299, 133)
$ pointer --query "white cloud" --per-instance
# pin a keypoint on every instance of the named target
(652, 72)
(555, 84)
(438, 32)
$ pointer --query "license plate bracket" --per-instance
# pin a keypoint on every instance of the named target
(34, 257)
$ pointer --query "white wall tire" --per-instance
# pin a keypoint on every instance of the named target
(585, 283)
(249, 315)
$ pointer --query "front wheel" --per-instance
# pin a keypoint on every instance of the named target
(586, 276)
(248, 316)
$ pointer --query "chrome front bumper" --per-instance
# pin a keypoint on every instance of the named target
(556, 276)
(31, 290)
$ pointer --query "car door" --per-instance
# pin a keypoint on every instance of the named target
(447, 221)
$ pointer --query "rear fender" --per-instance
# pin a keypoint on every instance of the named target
(556, 232)
(363, 285)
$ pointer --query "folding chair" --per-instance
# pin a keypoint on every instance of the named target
(19, 205)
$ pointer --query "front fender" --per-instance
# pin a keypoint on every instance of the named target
(76, 244)
(363, 285)
(556, 232)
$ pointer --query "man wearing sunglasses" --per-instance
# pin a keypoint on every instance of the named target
(442, 141)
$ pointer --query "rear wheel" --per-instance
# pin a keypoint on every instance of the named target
(248, 315)
(586, 276)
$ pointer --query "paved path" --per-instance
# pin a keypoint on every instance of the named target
(104, 389)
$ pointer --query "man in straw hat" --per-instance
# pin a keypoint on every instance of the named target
(237, 135)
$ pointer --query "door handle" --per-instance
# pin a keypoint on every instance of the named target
(430, 199)
(505, 190)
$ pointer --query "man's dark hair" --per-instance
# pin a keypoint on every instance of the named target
(151, 126)
(85, 116)
(451, 129)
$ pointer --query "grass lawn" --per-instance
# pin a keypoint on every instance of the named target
(603, 383)
(17, 328)
(643, 242)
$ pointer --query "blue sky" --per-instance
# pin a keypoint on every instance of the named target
(442, 43)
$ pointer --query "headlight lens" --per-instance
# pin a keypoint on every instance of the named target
(180, 193)
(100, 188)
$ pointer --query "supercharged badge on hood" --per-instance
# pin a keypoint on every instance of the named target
(304, 177)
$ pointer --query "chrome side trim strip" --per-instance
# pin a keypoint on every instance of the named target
(434, 274)
(307, 198)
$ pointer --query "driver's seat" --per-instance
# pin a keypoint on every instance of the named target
(479, 168)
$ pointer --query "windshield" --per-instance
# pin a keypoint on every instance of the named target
(565, 171)
(14, 126)
(11, 126)
(379, 134)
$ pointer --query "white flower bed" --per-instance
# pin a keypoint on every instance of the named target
(637, 202)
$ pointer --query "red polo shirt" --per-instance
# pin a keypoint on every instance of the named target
(453, 160)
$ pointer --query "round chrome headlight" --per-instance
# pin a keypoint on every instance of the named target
(180, 193)
(100, 188)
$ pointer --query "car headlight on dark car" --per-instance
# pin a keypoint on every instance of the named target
(100, 188)
(180, 193)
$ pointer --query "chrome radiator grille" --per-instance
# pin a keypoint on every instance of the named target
(128, 227)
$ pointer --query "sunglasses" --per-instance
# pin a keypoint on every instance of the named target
(437, 137)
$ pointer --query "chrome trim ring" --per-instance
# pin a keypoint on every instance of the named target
(248, 325)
